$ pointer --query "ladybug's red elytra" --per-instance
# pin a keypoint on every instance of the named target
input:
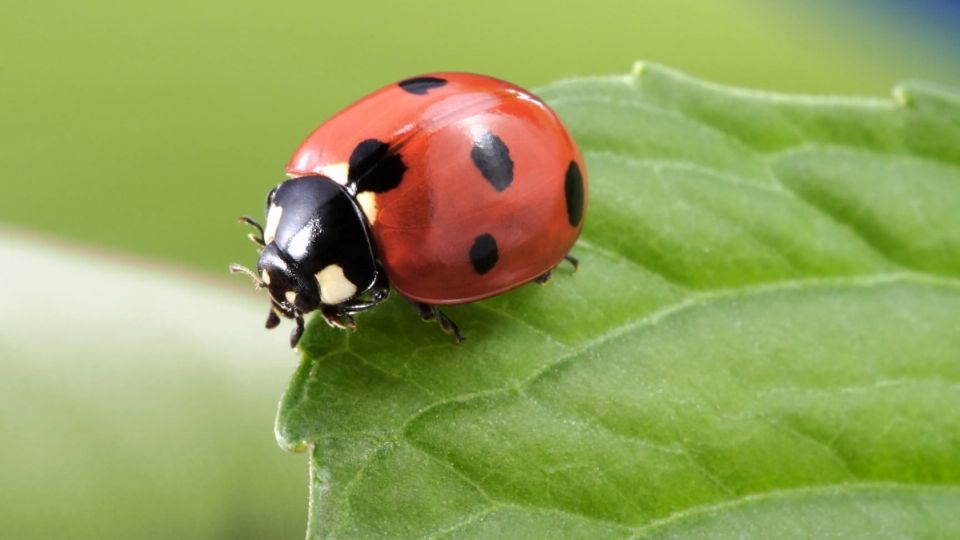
(449, 187)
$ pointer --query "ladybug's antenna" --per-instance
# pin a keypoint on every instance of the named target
(237, 269)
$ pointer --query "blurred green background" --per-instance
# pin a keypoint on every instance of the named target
(136, 399)
(149, 126)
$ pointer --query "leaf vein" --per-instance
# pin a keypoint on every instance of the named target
(778, 494)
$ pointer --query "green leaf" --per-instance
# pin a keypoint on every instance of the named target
(763, 340)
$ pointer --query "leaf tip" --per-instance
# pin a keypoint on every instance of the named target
(289, 443)
(639, 68)
(902, 96)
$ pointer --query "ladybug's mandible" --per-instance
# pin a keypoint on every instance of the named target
(451, 187)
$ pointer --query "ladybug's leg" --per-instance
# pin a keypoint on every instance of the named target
(341, 315)
(431, 313)
(359, 306)
(378, 292)
(337, 318)
(449, 326)
(253, 223)
(545, 277)
(297, 332)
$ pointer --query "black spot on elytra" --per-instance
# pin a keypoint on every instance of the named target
(373, 167)
(573, 188)
(483, 254)
(492, 157)
(421, 85)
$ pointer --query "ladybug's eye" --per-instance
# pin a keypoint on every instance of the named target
(270, 196)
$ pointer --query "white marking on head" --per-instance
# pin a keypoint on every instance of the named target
(336, 171)
(265, 277)
(334, 286)
(290, 296)
(368, 203)
(273, 221)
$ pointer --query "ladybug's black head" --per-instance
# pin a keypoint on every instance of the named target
(316, 251)
(292, 291)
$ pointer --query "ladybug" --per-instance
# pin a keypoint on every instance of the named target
(449, 187)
